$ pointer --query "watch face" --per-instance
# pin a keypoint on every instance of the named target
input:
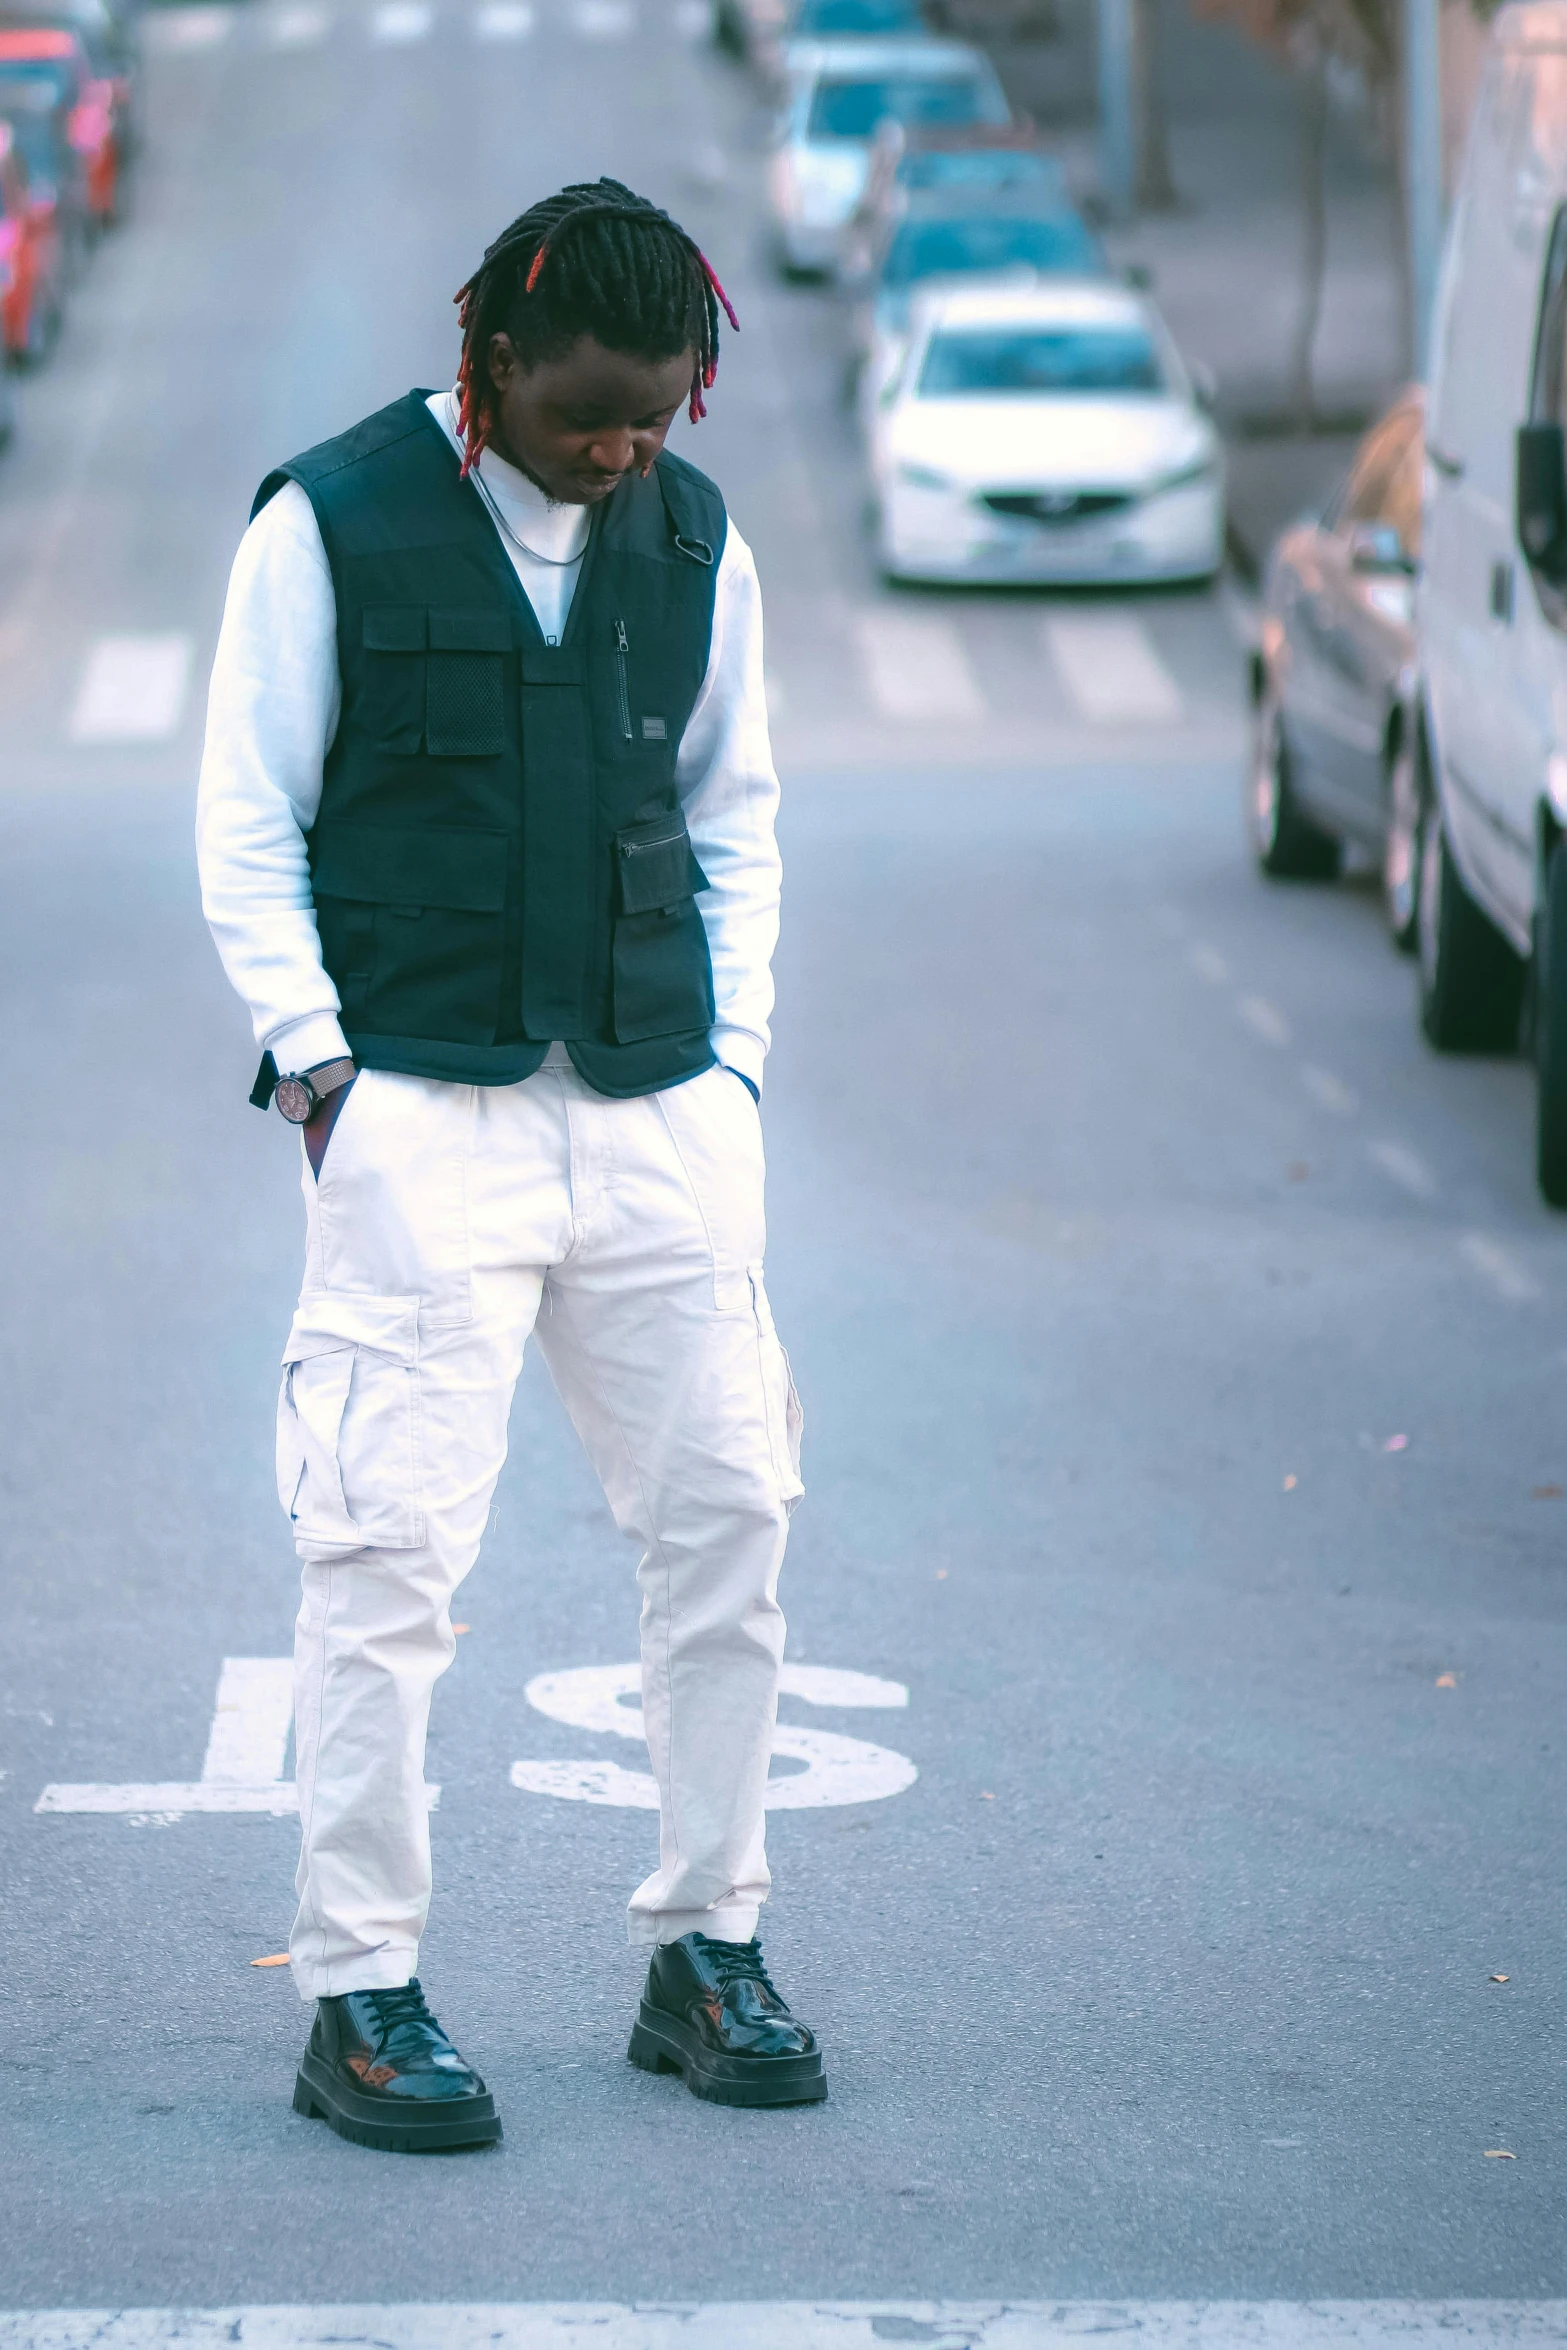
(295, 1099)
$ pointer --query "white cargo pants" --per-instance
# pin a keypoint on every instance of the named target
(448, 1221)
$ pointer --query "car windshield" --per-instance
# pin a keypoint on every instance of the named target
(1040, 359)
(934, 248)
(35, 139)
(852, 109)
(36, 82)
(980, 167)
(861, 18)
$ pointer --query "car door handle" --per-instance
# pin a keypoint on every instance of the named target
(1452, 467)
(1502, 592)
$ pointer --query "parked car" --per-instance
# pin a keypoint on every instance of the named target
(108, 33)
(961, 233)
(1492, 603)
(1333, 678)
(40, 123)
(839, 94)
(1045, 433)
(759, 29)
(31, 261)
(51, 59)
(999, 159)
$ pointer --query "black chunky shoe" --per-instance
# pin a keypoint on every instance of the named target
(380, 2070)
(710, 2012)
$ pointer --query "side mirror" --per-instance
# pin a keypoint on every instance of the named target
(1376, 546)
(1541, 483)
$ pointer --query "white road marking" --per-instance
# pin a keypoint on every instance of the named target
(603, 20)
(1264, 1019)
(1208, 964)
(399, 22)
(1328, 1091)
(185, 28)
(805, 2325)
(1110, 670)
(243, 1769)
(132, 691)
(1505, 1275)
(1405, 1166)
(917, 668)
(295, 28)
(503, 20)
(837, 1770)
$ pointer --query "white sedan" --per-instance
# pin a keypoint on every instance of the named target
(1044, 433)
(840, 93)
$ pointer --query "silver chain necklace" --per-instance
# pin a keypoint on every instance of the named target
(555, 562)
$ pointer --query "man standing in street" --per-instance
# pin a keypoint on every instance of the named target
(487, 844)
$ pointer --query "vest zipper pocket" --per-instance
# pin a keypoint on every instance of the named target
(623, 691)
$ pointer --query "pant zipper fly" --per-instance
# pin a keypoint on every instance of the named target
(622, 648)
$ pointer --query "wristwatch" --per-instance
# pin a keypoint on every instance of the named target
(301, 1094)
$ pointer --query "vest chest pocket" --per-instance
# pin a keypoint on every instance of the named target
(663, 973)
(435, 677)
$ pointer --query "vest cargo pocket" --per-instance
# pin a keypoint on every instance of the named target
(785, 1419)
(394, 641)
(663, 972)
(411, 920)
(348, 1437)
(465, 703)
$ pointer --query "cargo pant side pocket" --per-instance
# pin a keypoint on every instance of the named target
(785, 1419)
(349, 1468)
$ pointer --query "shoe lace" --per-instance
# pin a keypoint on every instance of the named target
(738, 1962)
(403, 2005)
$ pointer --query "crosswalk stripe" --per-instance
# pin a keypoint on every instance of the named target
(1110, 670)
(186, 28)
(806, 2325)
(397, 23)
(295, 28)
(503, 20)
(132, 690)
(603, 20)
(916, 667)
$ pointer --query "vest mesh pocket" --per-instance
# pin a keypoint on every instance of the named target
(465, 710)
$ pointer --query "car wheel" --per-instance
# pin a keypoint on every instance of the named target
(1286, 844)
(1401, 849)
(1550, 1035)
(1471, 982)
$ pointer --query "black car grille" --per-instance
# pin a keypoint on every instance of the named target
(1053, 506)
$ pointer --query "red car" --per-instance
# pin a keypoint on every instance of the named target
(40, 60)
(30, 258)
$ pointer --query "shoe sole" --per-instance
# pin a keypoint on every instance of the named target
(663, 2044)
(319, 2096)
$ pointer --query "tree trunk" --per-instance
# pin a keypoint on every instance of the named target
(1314, 239)
(1153, 188)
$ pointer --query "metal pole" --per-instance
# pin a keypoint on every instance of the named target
(1423, 166)
(1117, 146)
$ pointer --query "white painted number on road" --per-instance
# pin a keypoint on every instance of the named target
(837, 1769)
(243, 1769)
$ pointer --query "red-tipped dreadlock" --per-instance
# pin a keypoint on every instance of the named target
(619, 270)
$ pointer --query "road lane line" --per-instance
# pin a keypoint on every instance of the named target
(1209, 964)
(1110, 670)
(603, 20)
(916, 667)
(181, 29)
(1406, 1167)
(1506, 1276)
(295, 28)
(1328, 1091)
(805, 2325)
(132, 690)
(503, 20)
(1264, 1019)
(397, 23)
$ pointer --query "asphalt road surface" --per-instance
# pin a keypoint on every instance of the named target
(1181, 1344)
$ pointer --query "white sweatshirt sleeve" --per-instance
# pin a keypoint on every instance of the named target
(729, 787)
(272, 711)
(272, 714)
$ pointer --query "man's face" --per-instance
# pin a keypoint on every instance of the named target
(580, 423)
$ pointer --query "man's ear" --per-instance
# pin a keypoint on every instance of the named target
(504, 361)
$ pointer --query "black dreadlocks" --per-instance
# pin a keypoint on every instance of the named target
(593, 260)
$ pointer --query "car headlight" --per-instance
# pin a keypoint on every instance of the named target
(1201, 468)
(925, 477)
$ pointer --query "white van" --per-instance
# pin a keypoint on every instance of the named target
(1493, 592)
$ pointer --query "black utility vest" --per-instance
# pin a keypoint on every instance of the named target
(500, 859)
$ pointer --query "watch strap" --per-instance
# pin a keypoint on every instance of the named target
(327, 1076)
